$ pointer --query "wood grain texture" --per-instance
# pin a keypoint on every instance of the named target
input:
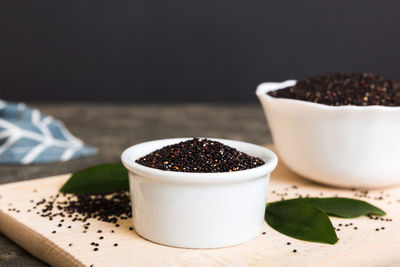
(362, 247)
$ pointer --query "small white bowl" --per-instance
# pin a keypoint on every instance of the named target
(198, 210)
(345, 146)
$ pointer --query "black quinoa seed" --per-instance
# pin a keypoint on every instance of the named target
(116, 245)
(199, 155)
(294, 250)
(95, 249)
(347, 88)
(104, 207)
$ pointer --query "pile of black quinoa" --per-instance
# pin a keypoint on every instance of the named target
(346, 88)
(65, 209)
(103, 207)
(199, 155)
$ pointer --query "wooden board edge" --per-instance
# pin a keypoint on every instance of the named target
(34, 180)
(37, 244)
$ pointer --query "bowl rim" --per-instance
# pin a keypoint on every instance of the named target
(269, 157)
(264, 88)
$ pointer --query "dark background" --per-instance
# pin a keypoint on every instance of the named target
(171, 51)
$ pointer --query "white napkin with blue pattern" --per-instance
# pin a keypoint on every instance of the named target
(28, 136)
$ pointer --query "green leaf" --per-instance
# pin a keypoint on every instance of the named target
(300, 220)
(105, 178)
(342, 207)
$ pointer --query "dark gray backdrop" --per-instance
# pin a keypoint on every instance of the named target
(188, 50)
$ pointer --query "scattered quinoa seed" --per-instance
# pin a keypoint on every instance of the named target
(103, 207)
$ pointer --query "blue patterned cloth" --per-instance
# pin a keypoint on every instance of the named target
(28, 136)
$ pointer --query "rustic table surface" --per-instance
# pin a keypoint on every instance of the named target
(113, 127)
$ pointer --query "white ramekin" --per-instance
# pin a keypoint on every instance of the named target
(198, 210)
(345, 146)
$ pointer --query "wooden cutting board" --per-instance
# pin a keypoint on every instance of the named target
(363, 246)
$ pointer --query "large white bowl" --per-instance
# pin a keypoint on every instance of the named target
(198, 210)
(345, 146)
